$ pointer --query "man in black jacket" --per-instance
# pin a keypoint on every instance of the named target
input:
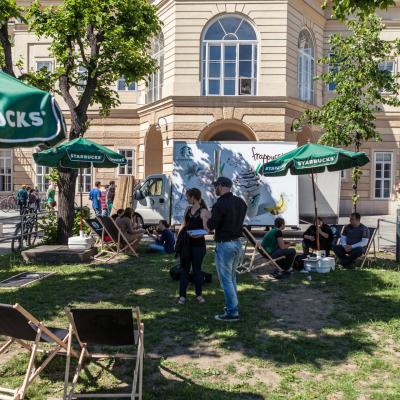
(227, 217)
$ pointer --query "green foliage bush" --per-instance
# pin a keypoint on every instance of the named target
(48, 224)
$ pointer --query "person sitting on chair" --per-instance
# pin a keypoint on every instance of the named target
(354, 239)
(119, 212)
(325, 238)
(275, 246)
(127, 227)
(164, 238)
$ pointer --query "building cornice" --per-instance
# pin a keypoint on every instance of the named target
(223, 101)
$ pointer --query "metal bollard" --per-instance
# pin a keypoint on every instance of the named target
(398, 236)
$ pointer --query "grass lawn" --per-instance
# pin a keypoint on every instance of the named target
(334, 337)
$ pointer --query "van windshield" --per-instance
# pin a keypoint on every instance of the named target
(152, 187)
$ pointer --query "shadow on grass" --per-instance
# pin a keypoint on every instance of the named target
(171, 330)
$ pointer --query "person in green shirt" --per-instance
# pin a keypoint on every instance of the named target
(276, 247)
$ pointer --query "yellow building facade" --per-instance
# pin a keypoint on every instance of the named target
(229, 70)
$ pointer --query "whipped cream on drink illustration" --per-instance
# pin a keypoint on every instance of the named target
(247, 183)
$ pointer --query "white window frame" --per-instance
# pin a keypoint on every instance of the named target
(125, 167)
(40, 181)
(382, 179)
(156, 79)
(332, 67)
(89, 182)
(44, 61)
(206, 61)
(305, 78)
(127, 88)
(3, 163)
(81, 82)
(392, 70)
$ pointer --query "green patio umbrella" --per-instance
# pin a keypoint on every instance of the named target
(78, 154)
(311, 159)
(28, 116)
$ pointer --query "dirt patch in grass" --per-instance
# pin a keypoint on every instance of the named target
(303, 308)
(217, 364)
(11, 352)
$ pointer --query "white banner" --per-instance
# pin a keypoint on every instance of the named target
(198, 164)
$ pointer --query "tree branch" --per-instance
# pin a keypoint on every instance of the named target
(64, 81)
(82, 50)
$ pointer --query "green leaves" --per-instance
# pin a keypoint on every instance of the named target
(362, 87)
(343, 8)
(107, 38)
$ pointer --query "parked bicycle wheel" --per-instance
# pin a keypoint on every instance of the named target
(32, 233)
(12, 203)
(4, 205)
(16, 242)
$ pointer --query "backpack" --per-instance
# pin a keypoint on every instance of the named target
(176, 270)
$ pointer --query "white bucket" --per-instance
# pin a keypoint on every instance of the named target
(326, 265)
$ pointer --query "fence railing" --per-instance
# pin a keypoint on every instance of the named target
(384, 235)
(22, 231)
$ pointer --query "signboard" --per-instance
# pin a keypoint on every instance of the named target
(198, 164)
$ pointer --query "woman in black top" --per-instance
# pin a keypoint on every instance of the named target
(193, 248)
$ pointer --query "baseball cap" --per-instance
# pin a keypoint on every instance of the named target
(223, 181)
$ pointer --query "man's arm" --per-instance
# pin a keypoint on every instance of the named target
(216, 217)
(362, 243)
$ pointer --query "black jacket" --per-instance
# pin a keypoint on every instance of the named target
(227, 217)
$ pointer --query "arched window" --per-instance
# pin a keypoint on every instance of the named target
(154, 90)
(229, 58)
(305, 67)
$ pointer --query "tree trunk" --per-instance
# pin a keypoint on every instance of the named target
(356, 175)
(66, 204)
(67, 185)
(6, 45)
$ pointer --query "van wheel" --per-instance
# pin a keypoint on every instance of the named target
(139, 220)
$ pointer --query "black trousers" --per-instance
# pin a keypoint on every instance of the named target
(347, 259)
(323, 245)
(193, 262)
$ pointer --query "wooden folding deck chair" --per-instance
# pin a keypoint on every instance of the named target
(23, 328)
(105, 327)
(118, 244)
(371, 242)
(258, 254)
(337, 233)
(97, 230)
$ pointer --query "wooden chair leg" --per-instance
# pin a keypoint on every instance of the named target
(77, 372)
(22, 389)
(67, 363)
(6, 346)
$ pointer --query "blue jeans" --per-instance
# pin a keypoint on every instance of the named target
(97, 211)
(157, 248)
(227, 258)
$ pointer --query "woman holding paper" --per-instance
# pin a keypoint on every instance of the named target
(191, 244)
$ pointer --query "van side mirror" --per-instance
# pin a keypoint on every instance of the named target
(138, 195)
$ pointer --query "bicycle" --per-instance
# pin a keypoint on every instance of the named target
(8, 203)
(25, 231)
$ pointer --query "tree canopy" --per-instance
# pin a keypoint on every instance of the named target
(344, 8)
(355, 67)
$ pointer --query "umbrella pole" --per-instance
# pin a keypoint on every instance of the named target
(315, 210)
(81, 195)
